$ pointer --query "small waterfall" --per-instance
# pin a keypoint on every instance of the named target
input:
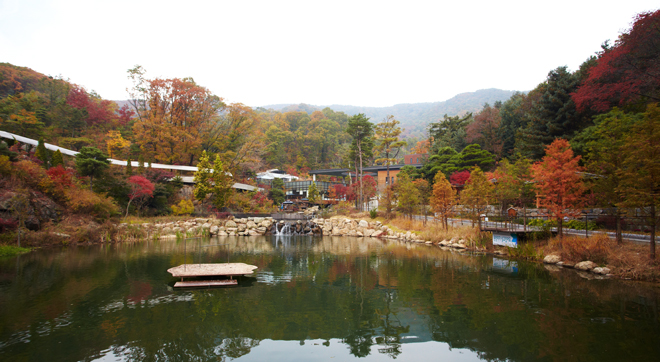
(295, 228)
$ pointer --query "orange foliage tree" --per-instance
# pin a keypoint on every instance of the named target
(173, 117)
(559, 185)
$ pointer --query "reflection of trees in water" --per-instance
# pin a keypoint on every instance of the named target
(234, 347)
(353, 294)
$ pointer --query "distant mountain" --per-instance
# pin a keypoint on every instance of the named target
(414, 117)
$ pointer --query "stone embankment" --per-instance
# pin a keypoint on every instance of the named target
(253, 226)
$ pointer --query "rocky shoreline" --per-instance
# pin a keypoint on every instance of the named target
(336, 226)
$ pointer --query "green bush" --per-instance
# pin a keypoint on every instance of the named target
(373, 213)
(579, 225)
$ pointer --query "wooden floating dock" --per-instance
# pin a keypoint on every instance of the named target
(210, 270)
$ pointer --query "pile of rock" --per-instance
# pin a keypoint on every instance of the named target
(585, 266)
(243, 227)
(455, 243)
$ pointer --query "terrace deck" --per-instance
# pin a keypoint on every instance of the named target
(210, 270)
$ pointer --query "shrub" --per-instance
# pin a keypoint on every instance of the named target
(7, 224)
(373, 213)
(5, 166)
(88, 202)
(595, 248)
(34, 176)
(185, 207)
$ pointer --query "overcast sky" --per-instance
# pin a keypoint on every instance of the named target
(363, 53)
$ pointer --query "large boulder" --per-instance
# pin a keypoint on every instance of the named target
(551, 259)
(363, 224)
(230, 224)
(585, 265)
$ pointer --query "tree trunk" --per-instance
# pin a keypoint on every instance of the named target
(359, 144)
(654, 222)
(619, 235)
(560, 229)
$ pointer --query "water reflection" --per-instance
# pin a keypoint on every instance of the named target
(342, 296)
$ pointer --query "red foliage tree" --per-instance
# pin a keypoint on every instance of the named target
(99, 111)
(459, 178)
(125, 114)
(61, 177)
(559, 185)
(484, 130)
(627, 72)
(140, 188)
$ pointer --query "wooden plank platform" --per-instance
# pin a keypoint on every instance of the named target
(215, 269)
(205, 283)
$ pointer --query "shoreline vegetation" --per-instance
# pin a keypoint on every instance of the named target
(595, 257)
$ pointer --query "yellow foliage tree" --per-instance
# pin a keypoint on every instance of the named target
(116, 143)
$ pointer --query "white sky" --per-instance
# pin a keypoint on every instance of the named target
(363, 53)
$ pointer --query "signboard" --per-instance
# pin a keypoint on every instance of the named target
(505, 239)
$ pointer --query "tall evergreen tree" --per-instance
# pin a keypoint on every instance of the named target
(57, 159)
(362, 131)
(129, 167)
(554, 115)
(42, 153)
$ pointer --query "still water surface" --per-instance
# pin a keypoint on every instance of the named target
(315, 299)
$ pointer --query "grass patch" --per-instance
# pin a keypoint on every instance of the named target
(9, 250)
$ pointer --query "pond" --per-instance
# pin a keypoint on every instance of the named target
(315, 298)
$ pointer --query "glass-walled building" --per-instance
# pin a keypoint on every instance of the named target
(300, 189)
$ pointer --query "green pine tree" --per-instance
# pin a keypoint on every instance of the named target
(42, 153)
(313, 194)
(129, 167)
(140, 165)
(57, 159)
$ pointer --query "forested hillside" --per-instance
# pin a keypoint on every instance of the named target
(414, 117)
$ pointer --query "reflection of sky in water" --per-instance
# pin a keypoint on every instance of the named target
(332, 350)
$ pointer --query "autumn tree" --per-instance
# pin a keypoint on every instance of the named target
(459, 178)
(559, 185)
(140, 188)
(408, 195)
(116, 143)
(477, 194)
(235, 136)
(174, 116)
(626, 73)
(443, 198)
(640, 172)
(484, 130)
